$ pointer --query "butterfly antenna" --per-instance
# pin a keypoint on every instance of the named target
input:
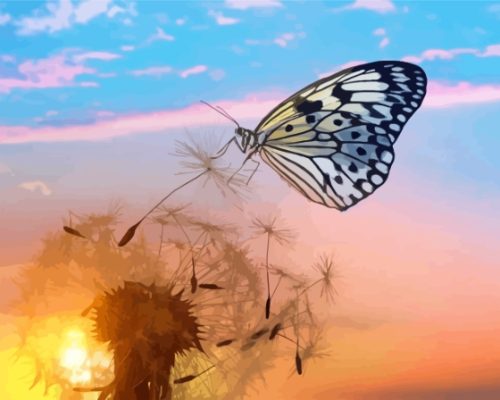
(222, 112)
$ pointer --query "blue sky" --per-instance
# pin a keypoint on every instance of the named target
(67, 63)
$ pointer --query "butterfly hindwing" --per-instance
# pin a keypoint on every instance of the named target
(333, 140)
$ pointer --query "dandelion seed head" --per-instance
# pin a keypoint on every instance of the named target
(326, 267)
(271, 226)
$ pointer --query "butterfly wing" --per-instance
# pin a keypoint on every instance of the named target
(333, 140)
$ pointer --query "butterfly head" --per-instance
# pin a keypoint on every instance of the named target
(245, 137)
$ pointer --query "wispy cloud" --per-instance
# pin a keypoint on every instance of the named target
(282, 40)
(5, 19)
(340, 67)
(50, 72)
(246, 4)
(7, 58)
(63, 14)
(217, 74)
(153, 71)
(442, 54)
(384, 42)
(440, 95)
(34, 186)
(220, 19)
(379, 6)
(181, 21)
(58, 17)
(254, 106)
(198, 69)
(385, 39)
(160, 35)
(89, 9)
(95, 55)
(127, 48)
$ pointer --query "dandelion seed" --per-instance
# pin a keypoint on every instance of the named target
(73, 232)
(211, 286)
(225, 343)
(271, 227)
(276, 329)
(259, 333)
(185, 379)
(247, 346)
(326, 268)
(298, 362)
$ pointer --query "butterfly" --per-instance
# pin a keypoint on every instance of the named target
(333, 140)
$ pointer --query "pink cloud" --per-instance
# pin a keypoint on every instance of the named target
(161, 36)
(96, 55)
(198, 69)
(246, 4)
(340, 67)
(220, 19)
(379, 6)
(44, 73)
(89, 9)
(127, 48)
(5, 19)
(254, 107)
(89, 84)
(153, 71)
(251, 107)
(442, 54)
(58, 18)
(384, 42)
(491, 51)
(440, 95)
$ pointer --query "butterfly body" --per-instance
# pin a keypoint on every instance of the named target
(333, 140)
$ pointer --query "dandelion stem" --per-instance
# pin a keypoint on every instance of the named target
(161, 242)
(268, 304)
(131, 231)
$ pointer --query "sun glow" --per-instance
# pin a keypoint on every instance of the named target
(75, 358)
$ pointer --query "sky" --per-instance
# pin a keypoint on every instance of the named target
(94, 94)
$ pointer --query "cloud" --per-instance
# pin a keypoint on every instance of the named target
(7, 58)
(246, 4)
(384, 42)
(5, 19)
(379, 6)
(95, 55)
(161, 36)
(63, 14)
(181, 21)
(198, 69)
(340, 67)
(89, 9)
(34, 186)
(58, 18)
(491, 51)
(440, 95)
(284, 39)
(153, 71)
(127, 48)
(442, 54)
(254, 106)
(89, 84)
(379, 32)
(217, 74)
(50, 72)
(220, 19)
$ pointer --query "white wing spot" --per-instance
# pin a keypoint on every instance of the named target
(362, 86)
(324, 136)
(386, 157)
(401, 118)
(376, 179)
(397, 69)
(379, 130)
(395, 127)
(382, 167)
(407, 109)
(367, 187)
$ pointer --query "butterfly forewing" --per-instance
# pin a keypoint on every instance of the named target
(332, 140)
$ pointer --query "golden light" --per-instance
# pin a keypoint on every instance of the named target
(75, 357)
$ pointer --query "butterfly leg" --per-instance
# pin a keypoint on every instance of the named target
(224, 148)
(254, 171)
(242, 165)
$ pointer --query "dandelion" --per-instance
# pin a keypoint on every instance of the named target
(326, 268)
(282, 237)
